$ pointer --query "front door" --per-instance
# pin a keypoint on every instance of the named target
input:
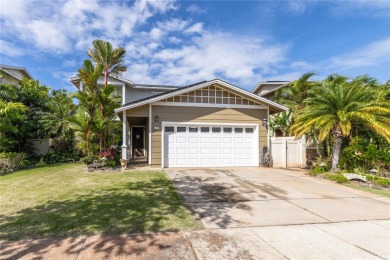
(138, 142)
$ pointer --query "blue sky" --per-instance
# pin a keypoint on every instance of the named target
(182, 42)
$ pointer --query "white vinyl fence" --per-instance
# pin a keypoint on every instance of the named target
(286, 152)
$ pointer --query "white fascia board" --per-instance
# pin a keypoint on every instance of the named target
(16, 68)
(208, 83)
(11, 74)
(184, 104)
(165, 88)
(120, 79)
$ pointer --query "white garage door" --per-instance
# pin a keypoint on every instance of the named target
(210, 145)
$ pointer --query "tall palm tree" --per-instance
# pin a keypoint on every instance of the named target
(335, 104)
(111, 59)
(295, 92)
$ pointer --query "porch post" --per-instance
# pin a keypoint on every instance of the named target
(123, 94)
(124, 136)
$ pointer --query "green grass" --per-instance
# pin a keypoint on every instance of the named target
(63, 200)
(385, 193)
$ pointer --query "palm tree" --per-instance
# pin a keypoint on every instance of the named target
(295, 92)
(55, 122)
(110, 59)
(335, 104)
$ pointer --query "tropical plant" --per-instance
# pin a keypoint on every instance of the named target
(282, 122)
(34, 97)
(112, 60)
(335, 104)
(11, 114)
(81, 123)
(98, 126)
(295, 92)
(55, 121)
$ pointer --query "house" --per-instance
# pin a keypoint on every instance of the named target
(267, 89)
(206, 124)
(13, 75)
(210, 123)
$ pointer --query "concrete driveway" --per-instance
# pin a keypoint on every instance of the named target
(278, 213)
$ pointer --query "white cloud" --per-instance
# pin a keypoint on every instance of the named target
(174, 24)
(195, 9)
(375, 53)
(362, 7)
(156, 34)
(69, 63)
(10, 49)
(62, 26)
(196, 28)
(210, 55)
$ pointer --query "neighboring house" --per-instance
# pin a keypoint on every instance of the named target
(210, 123)
(266, 89)
(12, 74)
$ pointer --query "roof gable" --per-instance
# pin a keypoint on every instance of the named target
(220, 84)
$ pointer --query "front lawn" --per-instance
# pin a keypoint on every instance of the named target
(63, 200)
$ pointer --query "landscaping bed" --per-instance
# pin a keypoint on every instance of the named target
(374, 184)
(64, 200)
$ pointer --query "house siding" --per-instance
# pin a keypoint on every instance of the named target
(204, 115)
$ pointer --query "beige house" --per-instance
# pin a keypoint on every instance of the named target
(13, 75)
(267, 89)
(207, 124)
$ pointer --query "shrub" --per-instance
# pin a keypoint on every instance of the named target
(336, 177)
(319, 169)
(11, 161)
(367, 152)
(89, 159)
(60, 157)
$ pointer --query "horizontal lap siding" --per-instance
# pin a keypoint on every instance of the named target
(204, 115)
(139, 111)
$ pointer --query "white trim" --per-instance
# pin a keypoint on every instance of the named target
(150, 136)
(207, 123)
(257, 132)
(268, 137)
(131, 139)
(123, 94)
(164, 123)
(162, 145)
(124, 136)
(185, 104)
(195, 87)
(165, 88)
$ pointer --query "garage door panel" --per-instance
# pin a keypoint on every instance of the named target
(210, 145)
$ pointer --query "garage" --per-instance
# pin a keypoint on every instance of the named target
(210, 145)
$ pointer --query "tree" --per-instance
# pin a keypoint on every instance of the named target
(34, 97)
(110, 59)
(335, 104)
(11, 113)
(295, 92)
(282, 122)
(97, 128)
(55, 121)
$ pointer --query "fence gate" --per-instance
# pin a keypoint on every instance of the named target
(286, 152)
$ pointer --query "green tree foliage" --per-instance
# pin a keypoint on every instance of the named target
(55, 121)
(281, 121)
(336, 104)
(95, 123)
(34, 98)
(112, 60)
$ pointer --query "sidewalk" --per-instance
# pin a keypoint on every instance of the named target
(343, 240)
